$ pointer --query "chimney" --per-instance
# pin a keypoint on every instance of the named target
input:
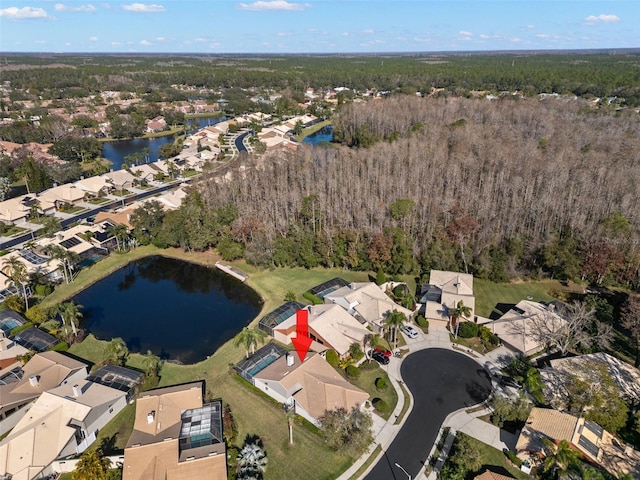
(151, 416)
(290, 360)
(77, 391)
(34, 381)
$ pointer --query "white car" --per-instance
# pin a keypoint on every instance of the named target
(409, 331)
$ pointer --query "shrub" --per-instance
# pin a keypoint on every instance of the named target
(487, 336)
(369, 365)
(381, 383)
(332, 358)
(468, 330)
(422, 322)
(352, 371)
(513, 458)
(312, 298)
(380, 405)
(17, 330)
(61, 347)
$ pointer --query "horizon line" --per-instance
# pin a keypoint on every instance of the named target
(292, 54)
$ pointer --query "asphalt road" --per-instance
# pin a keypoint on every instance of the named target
(441, 382)
(240, 142)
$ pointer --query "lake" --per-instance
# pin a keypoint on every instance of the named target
(179, 310)
(115, 151)
(323, 135)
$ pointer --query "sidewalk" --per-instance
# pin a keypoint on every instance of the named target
(468, 423)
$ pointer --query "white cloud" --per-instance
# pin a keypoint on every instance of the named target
(144, 8)
(421, 39)
(284, 34)
(464, 33)
(15, 13)
(145, 42)
(367, 31)
(116, 44)
(159, 39)
(263, 5)
(593, 19)
(93, 39)
(61, 7)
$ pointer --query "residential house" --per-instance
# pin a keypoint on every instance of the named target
(523, 328)
(330, 326)
(16, 210)
(367, 303)
(146, 172)
(310, 387)
(34, 261)
(62, 423)
(60, 195)
(21, 387)
(156, 124)
(489, 475)
(176, 436)
(120, 179)
(9, 353)
(596, 444)
(443, 293)
(94, 186)
(73, 240)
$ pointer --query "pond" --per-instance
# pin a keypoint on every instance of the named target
(325, 134)
(116, 150)
(179, 310)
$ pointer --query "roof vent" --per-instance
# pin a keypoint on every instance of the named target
(77, 391)
(34, 381)
(151, 416)
(290, 360)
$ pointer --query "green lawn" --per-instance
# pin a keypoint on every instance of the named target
(99, 201)
(15, 231)
(73, 210)
(311, 130)
(494, 459)
(489, 294)
(366, 381)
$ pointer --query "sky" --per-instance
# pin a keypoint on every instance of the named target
(316, 26)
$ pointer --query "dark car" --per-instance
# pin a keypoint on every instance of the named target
(386, 353)
(380, 358)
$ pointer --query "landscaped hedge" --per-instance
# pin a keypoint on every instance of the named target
(312, 298)
(380, 405)
(332, 358)
(352, 371)
(20, 328)
(60, 347)
(422, 322)
(381, 384)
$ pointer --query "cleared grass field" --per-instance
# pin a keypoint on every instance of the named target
(490, 295)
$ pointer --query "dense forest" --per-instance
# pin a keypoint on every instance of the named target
(600, 74)
(503, 189)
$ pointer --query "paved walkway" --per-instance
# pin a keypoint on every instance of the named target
(385, 431)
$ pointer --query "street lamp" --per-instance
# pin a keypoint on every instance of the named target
(405, 472)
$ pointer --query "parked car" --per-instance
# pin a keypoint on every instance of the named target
(409, 331)
(385, 352)
(380, 358)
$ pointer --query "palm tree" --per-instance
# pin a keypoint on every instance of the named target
(560, 458)
(249, 338)
(252, 461)
(460, 310)
(72, 314)
(16, 271)
(370, 341)
(59, 253)
(119, 231)
(93, 465)
(393, 320)
(152, 364)
(116, 351)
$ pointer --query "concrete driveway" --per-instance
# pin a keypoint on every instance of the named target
(441, 381)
